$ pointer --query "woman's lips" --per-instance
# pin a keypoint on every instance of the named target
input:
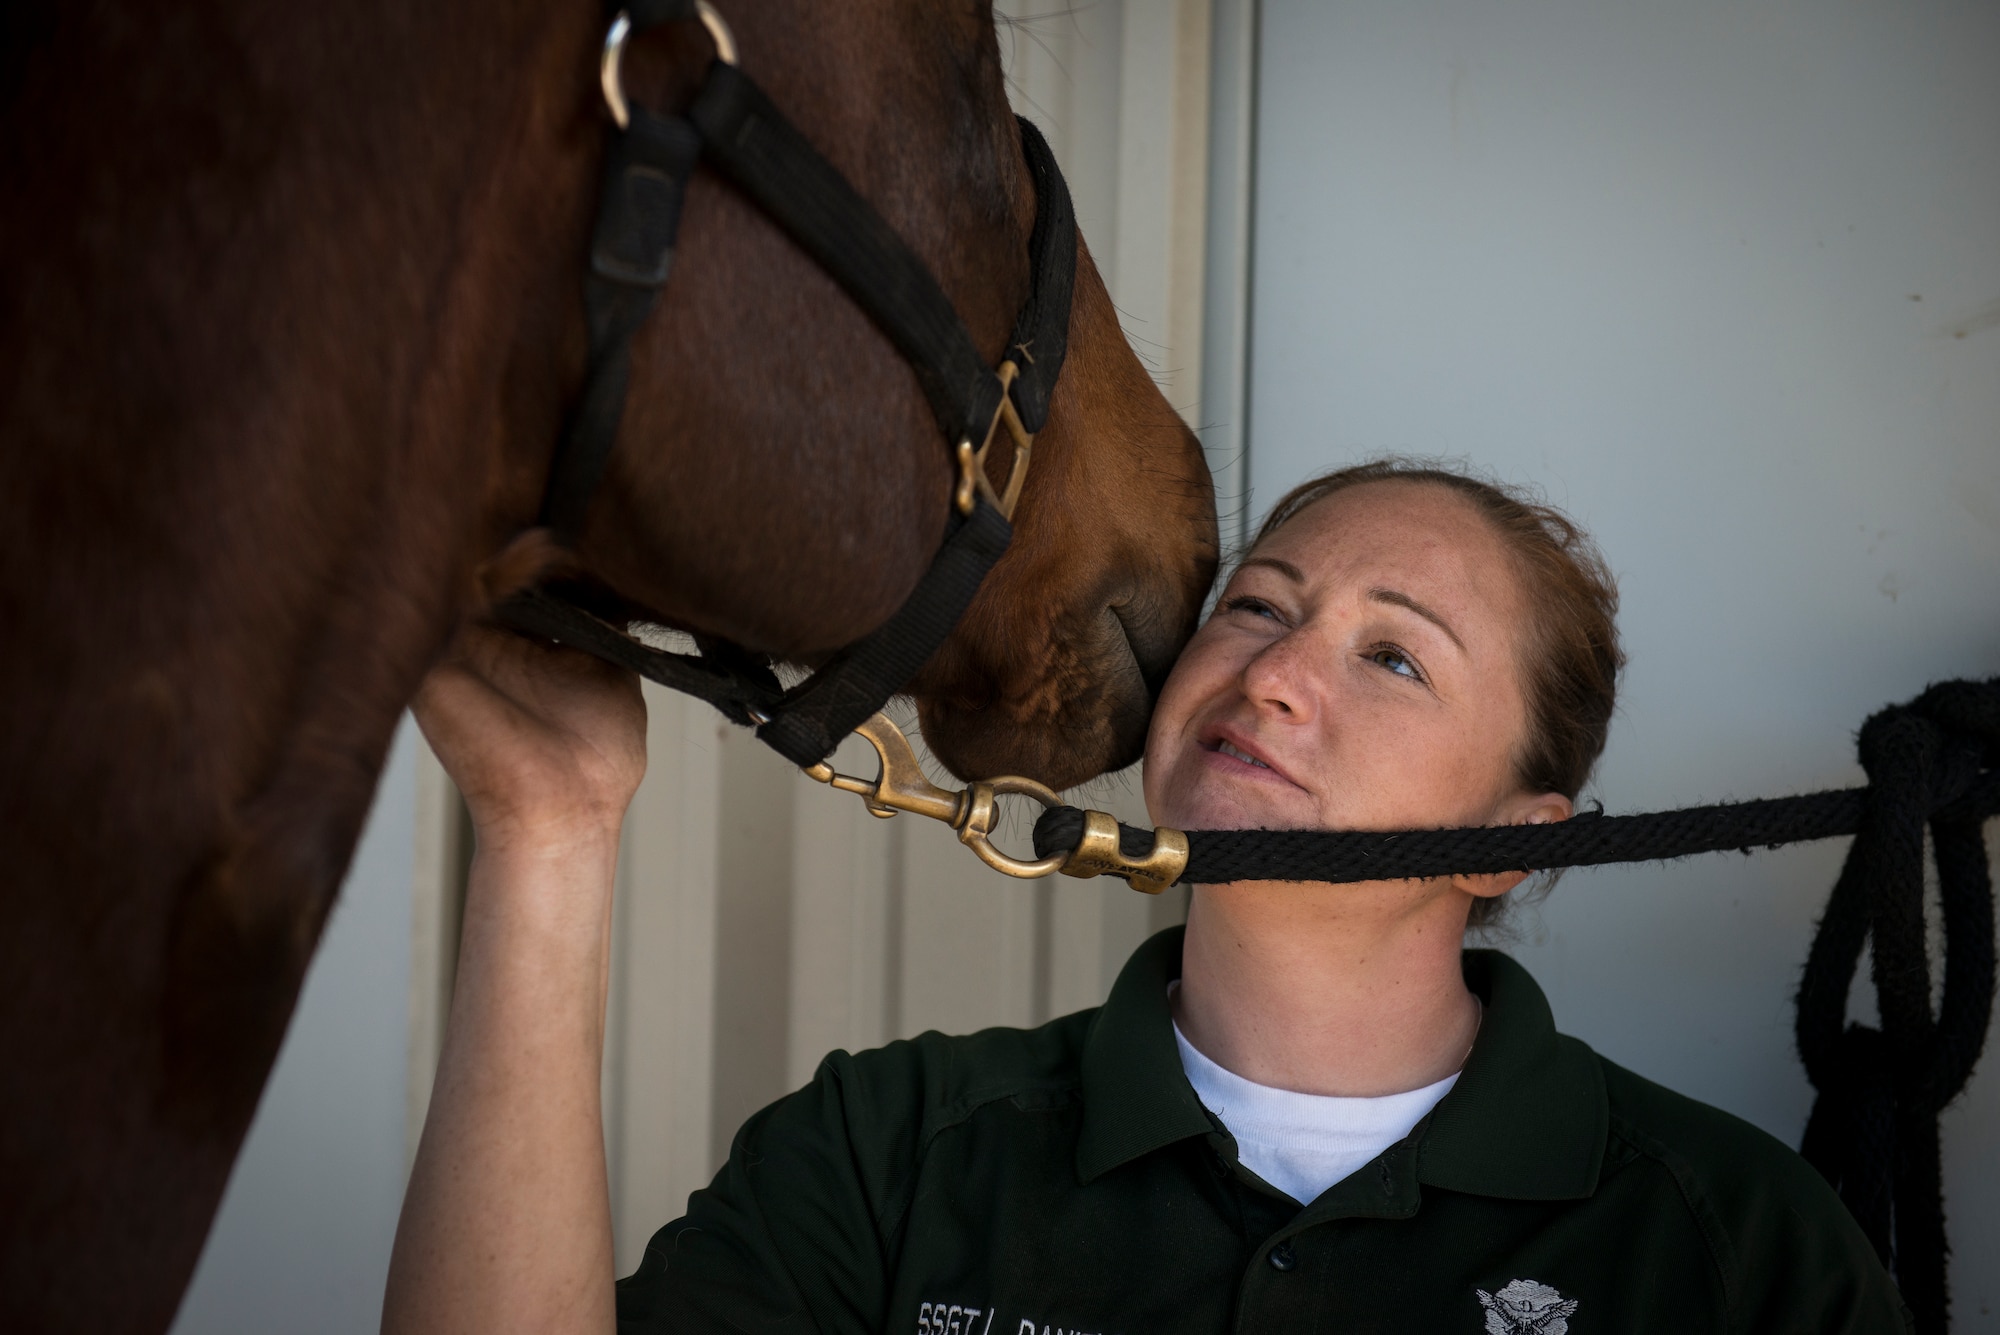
(1230, 749)
(1236, 754)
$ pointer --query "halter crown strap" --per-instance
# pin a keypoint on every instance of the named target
(631, 249)
(749, 140)
(735, 127)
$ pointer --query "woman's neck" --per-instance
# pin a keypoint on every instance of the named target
(1348, 989)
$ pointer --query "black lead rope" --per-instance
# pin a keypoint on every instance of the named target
(1874, 1127)
(1873, 1132)
(735, 128)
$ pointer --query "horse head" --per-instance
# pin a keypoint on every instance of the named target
(779, 480)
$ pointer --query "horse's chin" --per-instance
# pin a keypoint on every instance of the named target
(1059, 731)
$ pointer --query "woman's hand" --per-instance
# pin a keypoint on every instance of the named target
(545, 743)
(507, 1220)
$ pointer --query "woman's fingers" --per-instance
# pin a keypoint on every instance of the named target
(531, 732)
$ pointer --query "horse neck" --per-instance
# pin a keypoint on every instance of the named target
(326, 258)
(288, 315)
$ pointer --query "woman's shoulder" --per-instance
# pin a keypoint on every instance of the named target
(939, 1079)
(1698, 1137)
(1774, 1226)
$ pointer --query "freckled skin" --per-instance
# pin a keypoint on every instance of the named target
(1366, 714)
(1371, 716)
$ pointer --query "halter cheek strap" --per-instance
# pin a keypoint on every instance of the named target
(734, 127)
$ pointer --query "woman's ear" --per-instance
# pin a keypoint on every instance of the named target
(1541, 809)
(1490, 886)
(1527, 809)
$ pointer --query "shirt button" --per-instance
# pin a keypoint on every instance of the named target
(1283, 1257)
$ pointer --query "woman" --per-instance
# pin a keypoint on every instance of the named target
(1312, 1109)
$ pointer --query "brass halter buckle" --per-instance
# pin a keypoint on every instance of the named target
(972, 479)
(901, 786)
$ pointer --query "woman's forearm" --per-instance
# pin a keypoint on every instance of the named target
(507, 1224)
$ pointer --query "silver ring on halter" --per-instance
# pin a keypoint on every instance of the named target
(608, 65)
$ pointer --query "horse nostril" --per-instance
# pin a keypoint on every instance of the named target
(1150, 639)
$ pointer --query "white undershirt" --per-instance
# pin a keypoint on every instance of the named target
(1304, 1143)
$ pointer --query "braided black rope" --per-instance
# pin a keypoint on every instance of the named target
(1874, 1128)
(1873, 1131)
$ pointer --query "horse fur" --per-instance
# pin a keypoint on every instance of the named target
(290, 318)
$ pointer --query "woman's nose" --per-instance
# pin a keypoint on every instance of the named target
(1281, 678)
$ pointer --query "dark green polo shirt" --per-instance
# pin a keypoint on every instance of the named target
(1066, 1179)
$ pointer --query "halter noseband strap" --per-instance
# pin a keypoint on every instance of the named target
(733, 126)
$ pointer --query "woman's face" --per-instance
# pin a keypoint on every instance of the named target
(1360, 672)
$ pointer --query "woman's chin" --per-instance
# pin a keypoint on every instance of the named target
(1211, 805)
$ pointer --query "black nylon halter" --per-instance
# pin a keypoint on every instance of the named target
(737, 130)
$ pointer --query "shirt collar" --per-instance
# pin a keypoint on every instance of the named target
(1136, 1097)
(1527, 1119)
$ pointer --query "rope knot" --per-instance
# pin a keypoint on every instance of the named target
(1873, 1131)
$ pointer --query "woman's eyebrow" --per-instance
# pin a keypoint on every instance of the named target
(1285, 568)
(1400, 599)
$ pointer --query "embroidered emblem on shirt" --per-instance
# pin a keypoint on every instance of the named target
(1524, 1307)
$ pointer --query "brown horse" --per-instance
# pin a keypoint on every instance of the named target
(290, 319)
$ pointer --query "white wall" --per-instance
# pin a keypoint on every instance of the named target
(302, 1242)
(1724, 281)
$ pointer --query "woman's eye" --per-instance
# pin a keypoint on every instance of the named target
(1254, 606)
(1395, 660)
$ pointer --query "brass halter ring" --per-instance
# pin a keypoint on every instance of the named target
(901, 786)
(972, 478)
(609, 65)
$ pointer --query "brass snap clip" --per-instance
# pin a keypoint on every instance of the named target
(902, 786)
(1098, 853)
